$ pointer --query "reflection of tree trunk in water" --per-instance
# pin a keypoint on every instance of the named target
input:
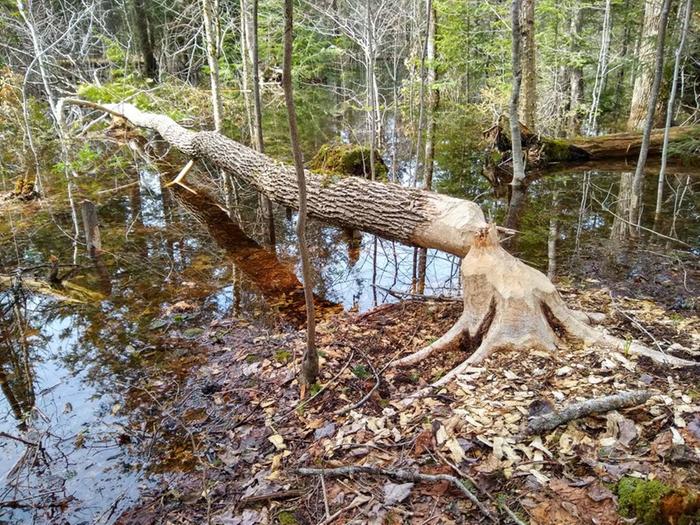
(93, 241)
(420, 271)
(374, 270)
(18, 385)
(17, 409)
(516, 206)
(553, 238)
(353, 239)
(137, 220)
(619, 230)
(94, 244)
(276, 282)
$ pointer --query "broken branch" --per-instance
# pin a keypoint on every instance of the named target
(552, 420)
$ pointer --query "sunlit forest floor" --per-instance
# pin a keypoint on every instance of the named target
(250, 433)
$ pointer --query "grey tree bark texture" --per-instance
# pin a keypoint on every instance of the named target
(309, 362)
(638, 180)
(518, 164)
(529, 78)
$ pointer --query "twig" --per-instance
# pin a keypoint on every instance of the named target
(377, 380)
(400, 474)
(552, 420)
(284, 494)
(10, 436)
(635, 323)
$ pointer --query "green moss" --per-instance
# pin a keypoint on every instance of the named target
(360, 371)
(282, 356)
(641, 499)
(344, 160)
(286, 517)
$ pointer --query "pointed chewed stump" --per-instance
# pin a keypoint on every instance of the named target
(510, 306)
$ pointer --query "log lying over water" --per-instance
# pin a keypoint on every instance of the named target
(507, 304)
(543, 151)
(408, 215)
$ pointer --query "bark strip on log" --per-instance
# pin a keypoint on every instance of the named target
(552, 420)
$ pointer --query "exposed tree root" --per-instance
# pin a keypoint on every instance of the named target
(509, 305)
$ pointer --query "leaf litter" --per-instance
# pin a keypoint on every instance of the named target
(258, 432)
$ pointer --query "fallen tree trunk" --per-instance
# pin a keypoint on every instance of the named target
(407, 215)
(507, 304)
(543, 151)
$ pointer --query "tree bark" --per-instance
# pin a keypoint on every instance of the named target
(669, 109)
(643, 82)
(638, 180)
(529, 105)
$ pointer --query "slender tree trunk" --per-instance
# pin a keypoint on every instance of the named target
(210, 14)
(529, 67)
(265, 202)
(434, 98)
(517, 149)
(601, 72)
(669, 110)
(575, 75)
(371, 115)
(245, 67)
(638, 181)
(653, 31)
(421, 93)
(310, 358)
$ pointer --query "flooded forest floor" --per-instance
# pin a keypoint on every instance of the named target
(245, 433)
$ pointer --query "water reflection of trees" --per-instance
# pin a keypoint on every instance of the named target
(16, 372)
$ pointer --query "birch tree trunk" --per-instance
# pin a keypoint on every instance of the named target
(309, 365)
(210, 13)
(638, 180)
(575, 74)
(601, 72)
(517, 149)
(669, 109)
(529, 68)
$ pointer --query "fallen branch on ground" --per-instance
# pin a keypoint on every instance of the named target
(552, 420)
(403, 475)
